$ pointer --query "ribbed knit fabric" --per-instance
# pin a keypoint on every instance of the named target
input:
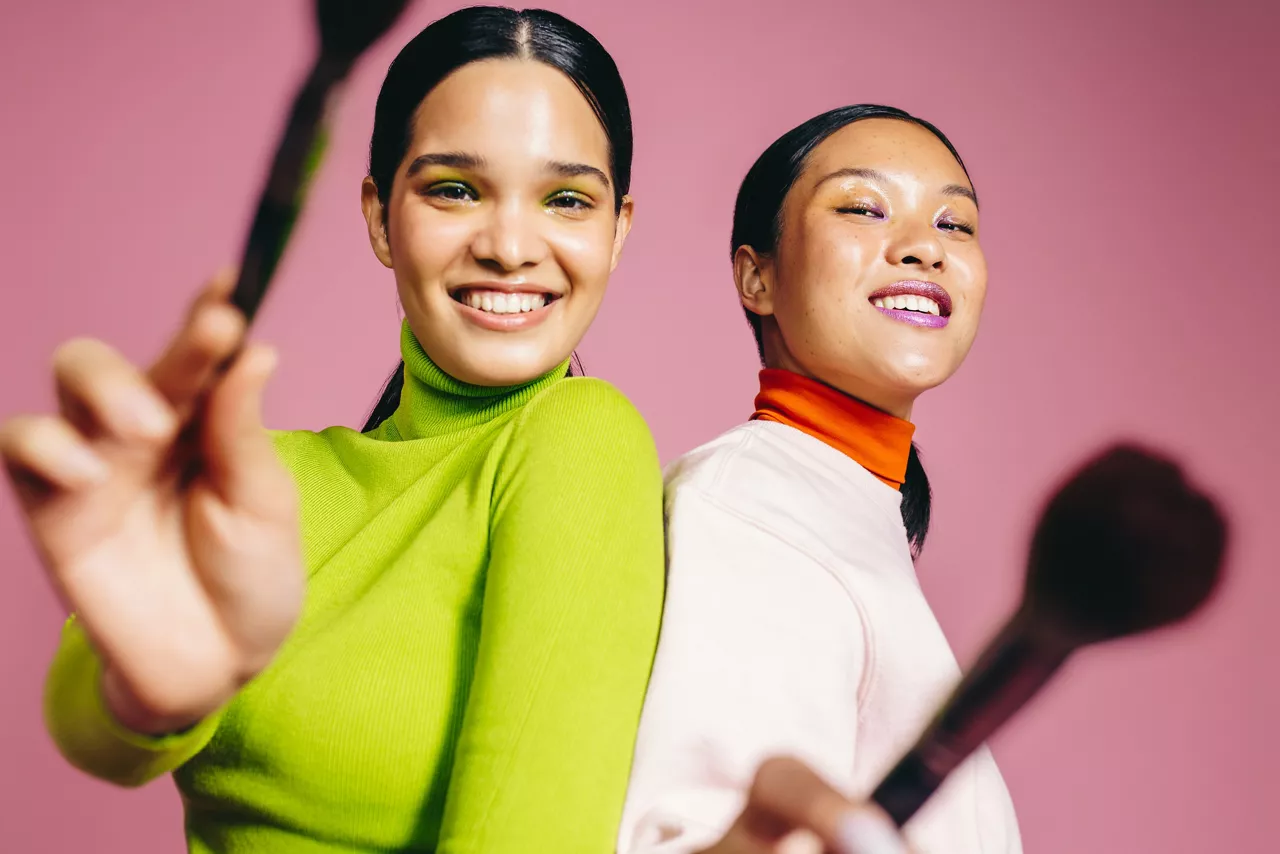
(875, 440)
(485, 588)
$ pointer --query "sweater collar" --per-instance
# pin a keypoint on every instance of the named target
(878, 441)
(434, 403)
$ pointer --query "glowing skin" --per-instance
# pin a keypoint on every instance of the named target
(504, 193)
(882, 211)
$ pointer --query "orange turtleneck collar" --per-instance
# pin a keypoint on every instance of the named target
(877, 441)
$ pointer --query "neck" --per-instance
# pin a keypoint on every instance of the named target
(433, 403)
(877, 440)
(895, 404)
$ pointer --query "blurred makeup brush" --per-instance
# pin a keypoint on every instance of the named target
(347, 28)
(1125, 546)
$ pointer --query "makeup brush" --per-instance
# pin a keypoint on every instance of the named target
(347, 28)
(1125, 546)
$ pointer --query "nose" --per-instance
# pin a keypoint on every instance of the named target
(510, 238)
(917, 246)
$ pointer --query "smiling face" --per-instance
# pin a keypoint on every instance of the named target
(877, 281)
(500, 224)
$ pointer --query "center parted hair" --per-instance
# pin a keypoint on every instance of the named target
(757, 222)
(472, 35)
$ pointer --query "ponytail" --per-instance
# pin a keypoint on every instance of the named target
(388, 400)
(916, 498)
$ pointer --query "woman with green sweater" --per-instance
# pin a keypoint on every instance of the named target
(433, 635)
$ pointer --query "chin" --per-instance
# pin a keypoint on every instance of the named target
(917, 373)
(505, 368)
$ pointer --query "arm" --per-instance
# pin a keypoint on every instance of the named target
(90, 738)
(572, 602)
(762, 654)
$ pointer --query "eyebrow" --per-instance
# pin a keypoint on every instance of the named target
(876, 175)
(462, 160)
(962, 191)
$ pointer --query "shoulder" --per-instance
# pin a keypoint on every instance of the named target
(774, 480)
(301, 450)
(576, 401)
(587, 414)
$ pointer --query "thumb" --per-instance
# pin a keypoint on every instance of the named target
(788, 796)
(240, 459)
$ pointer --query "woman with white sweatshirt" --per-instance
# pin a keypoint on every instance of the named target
(794, 624)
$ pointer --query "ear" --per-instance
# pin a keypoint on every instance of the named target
(373, 217)
(753, 274)
(621, 230)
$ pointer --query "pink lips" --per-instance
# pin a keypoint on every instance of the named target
(910, 287)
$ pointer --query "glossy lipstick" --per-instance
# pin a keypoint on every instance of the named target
(911, 287)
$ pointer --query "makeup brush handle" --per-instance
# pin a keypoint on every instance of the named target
(1012, 669)
(299, 152)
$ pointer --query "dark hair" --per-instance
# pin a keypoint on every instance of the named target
(492, 32)
(757, 222)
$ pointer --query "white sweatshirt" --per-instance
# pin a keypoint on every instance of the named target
(794, 624)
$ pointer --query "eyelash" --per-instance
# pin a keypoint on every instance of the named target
(440, 191)
(444, 191)
(955, 225)
(579, 201)
(945, 225)
(861, 210)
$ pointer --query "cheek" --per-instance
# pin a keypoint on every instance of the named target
(970, 279)
(822, 276)
(584, 252)
(424, 242)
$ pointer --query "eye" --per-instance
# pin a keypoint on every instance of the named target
(568, 200)
(451, 191)
(870, 211)
(955, 225)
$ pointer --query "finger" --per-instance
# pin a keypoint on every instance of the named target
(48, 449)
(868, 830)
(787, 796)
(213, 331)
(217, 291)
(102, 393)
(220, 286)
(240, 458)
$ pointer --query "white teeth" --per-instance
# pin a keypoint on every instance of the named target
(502, 303)
(909, 302)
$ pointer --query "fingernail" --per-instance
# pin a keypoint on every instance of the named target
(150, 416)
(866, 832)
(86, 465)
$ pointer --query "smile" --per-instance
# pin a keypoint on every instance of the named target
(916, 303)
(504, 310)
(503, 302)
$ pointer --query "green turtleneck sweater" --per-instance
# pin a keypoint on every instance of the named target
(484, 593)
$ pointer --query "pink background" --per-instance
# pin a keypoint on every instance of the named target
(1125, 153)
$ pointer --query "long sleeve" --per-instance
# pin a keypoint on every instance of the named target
(571, 608)
(762, 653)
(86, 734)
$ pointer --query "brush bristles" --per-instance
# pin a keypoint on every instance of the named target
(1125, 546)
(348, 27)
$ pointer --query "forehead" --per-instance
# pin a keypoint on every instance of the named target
(892, 146)
(510, 107)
